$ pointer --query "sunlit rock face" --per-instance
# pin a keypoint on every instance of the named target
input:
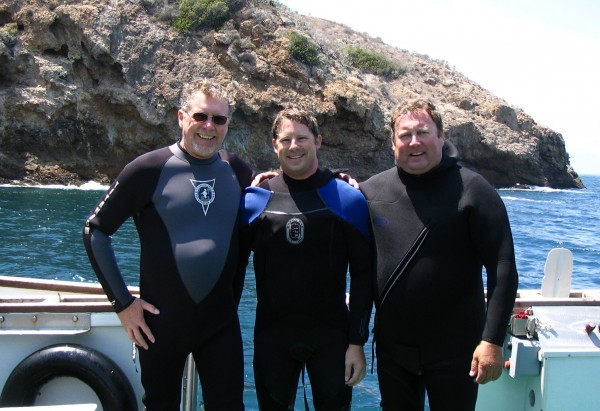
(86, 86)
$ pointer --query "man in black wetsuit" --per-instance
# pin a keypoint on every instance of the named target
(436, 224)
(306, 228)
(184, 200)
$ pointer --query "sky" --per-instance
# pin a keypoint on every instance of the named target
(542, 56)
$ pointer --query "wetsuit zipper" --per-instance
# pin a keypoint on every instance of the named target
(403, 264)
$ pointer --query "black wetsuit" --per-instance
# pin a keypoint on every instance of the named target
(433, 233)
(185, 211)
(304, 235)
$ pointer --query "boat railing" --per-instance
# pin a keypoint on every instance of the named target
(34, 295)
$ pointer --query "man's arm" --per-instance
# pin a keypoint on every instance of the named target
(98, 246)
(491, 231)
(120, 202)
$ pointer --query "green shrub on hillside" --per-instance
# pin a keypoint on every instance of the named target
(9, 30)
(374, 62)
(302, 49)
(200, 13)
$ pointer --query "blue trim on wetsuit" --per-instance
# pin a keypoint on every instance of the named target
(305, 234)
(352, 209)
(253, 204)
(342, 199)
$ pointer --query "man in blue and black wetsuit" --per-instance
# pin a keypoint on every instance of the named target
(306, 228)
(184, 200)
(436, 224)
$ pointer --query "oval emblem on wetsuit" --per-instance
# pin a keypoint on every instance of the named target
(204, 194)
(294, 231)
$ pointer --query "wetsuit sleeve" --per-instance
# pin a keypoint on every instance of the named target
(254, 201)
(352, 208)
(130, 192)
(240, 273)
(102, 257)
(361, 285)
(244, 175)
(490, 229)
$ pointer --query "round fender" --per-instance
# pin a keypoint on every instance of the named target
(91, 367)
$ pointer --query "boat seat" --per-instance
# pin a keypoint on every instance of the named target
(557, 273)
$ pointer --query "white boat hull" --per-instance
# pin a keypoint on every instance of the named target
(559, 371)
(36, 314)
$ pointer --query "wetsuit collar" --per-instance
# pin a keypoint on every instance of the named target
(446, 163)
(180, 152)
(317, 180)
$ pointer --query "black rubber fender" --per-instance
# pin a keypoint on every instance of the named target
(90, 366)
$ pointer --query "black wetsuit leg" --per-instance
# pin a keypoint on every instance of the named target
(400, 388)
(279, 357)
(451, 379)
(326, 372)
(161, 370)
(221, 372)
(403, 389)
(276, 372)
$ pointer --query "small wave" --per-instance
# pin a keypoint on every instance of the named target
(93, 185)
(539, 189)
(90, 186)
(529, 200)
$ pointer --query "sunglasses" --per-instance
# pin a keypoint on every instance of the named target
(203, 118)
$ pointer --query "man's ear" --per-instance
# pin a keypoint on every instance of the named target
(318, 141)
(274, 143)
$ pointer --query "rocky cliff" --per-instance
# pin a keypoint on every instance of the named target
(85, 86)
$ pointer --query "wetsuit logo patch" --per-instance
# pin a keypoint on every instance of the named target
(204, 192)
(294, 231)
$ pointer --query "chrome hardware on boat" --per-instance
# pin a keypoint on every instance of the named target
(45, 323)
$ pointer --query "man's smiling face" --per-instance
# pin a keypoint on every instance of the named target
(202, 139)
(417, 143)
(296, 148)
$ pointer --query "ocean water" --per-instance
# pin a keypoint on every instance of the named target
(40, 231)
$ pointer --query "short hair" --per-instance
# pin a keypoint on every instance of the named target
(415, 106)
(208, 88)
(297, 115)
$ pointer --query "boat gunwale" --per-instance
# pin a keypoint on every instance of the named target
(79, 297)
(56, 285)
(91, 297)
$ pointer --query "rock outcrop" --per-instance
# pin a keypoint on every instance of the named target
(85, 86)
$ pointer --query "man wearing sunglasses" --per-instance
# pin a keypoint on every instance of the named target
(184, 201)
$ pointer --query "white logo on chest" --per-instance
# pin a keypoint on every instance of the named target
(294, 231)
(204, 192)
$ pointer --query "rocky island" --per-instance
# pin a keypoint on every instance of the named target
(85, 86)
